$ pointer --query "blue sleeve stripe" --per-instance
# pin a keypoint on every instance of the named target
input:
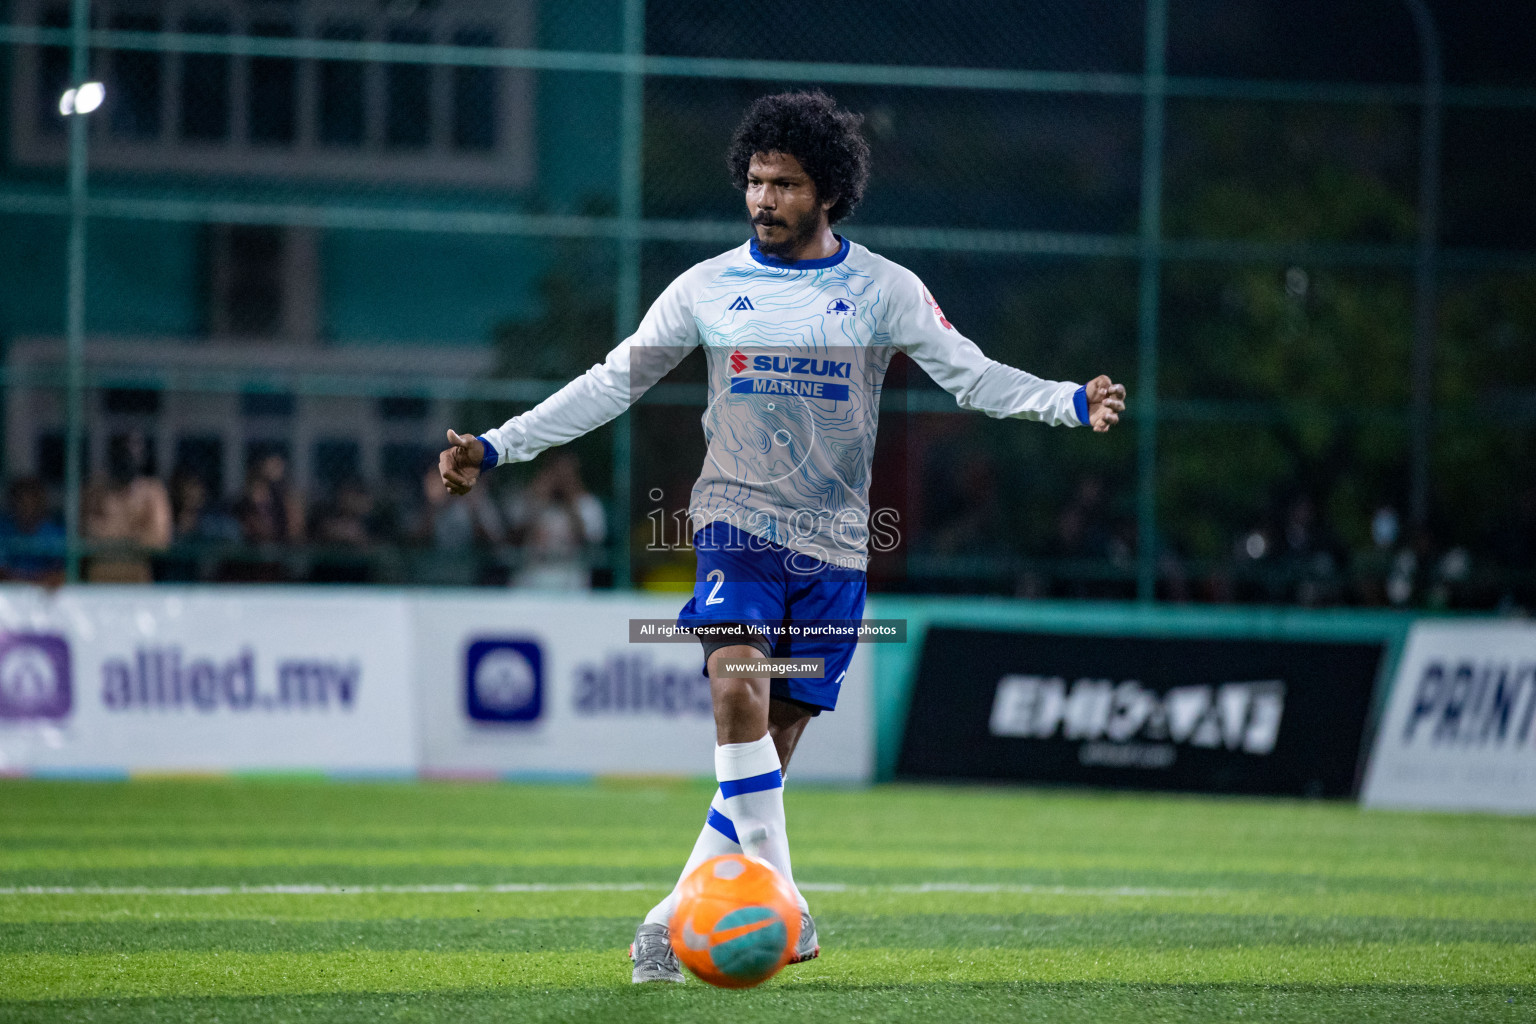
(1080, 404)
(756, 784)
(720, 823)
(488, 460)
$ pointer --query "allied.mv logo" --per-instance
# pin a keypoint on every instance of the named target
(504, 681)
(34, 676)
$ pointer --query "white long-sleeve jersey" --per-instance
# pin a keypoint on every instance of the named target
(797, 353)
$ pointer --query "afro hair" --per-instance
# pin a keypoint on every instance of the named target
(810, 127)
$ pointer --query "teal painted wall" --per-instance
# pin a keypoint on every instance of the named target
(383, 286)
(147, 279)
(143, 278)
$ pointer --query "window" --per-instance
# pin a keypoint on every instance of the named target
(131, 401)
(340, 93)
(203, 457)
(337, 458)
(52, 75)
(408, 95)
(204, 91)
(262, 281)
(404, 464)
(135, 110)
(267, 403)
(403, 407)
(474, 97)
(280, 116)
(247, 270)
(273, 94)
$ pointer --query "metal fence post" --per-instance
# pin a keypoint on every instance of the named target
(1150, 240)
(627, 293)
(74, 314)
(1425, 278)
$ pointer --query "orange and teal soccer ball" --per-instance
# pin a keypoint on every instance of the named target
(736, 921)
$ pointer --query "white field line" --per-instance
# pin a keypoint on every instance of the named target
(550, 887)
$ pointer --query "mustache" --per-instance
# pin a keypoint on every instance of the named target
(768, 221)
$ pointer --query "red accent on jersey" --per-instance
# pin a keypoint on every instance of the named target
(738, 361)
(937, 312)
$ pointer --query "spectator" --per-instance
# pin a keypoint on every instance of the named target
(197, 524)
(269, 511)
(1307, 555)
(1380, 576)
(450, 530)
(130, 510)
(976, 523)
(458, 524)
(196, 517)
(31, 540)
(347, 520)
(554, 520)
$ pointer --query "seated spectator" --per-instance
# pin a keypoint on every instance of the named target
(31, 540)
(455, 524)
(269, 512)
(196, 517)
(554, 520)
(344, 527)
(130, 511)
(454, 535)
(347, 520)
(199, 526)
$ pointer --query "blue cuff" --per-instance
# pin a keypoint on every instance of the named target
(488, 460)
(1080, 404)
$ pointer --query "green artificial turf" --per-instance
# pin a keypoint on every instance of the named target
(271, 900)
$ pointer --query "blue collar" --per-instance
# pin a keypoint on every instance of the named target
(774, 261)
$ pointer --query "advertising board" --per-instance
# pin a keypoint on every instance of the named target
(1215, 715)
(1459, 732)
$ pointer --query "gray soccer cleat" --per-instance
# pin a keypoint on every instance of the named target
(808, 948)
(652, 953)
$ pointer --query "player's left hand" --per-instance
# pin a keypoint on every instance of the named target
(1106, 401)
(459, 465)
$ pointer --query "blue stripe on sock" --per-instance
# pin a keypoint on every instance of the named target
(720, 823)
(756, 784)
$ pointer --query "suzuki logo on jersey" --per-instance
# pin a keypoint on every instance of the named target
(742, 302)
(800, 364)
(842, 307)
(791, 364)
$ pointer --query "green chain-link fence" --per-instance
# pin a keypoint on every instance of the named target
(299, 239)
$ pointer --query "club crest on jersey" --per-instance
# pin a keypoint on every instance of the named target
(742, 302)
(842, 307)
(937, 312)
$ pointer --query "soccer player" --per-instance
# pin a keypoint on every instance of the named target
(798, 325)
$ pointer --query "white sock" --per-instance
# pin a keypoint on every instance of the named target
(753, 786)
(717, 837)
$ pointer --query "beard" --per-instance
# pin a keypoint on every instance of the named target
(800, 233)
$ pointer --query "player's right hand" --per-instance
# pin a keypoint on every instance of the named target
(460, 463)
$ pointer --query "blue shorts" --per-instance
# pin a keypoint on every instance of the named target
(744, 578)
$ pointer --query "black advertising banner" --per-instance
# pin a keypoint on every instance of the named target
(1227, 716)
